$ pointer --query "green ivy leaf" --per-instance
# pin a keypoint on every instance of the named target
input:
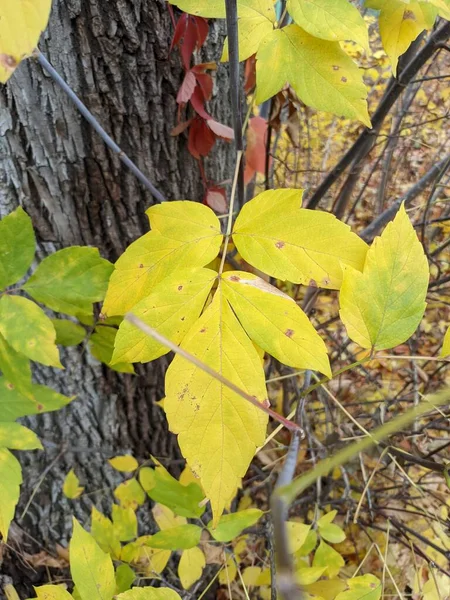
(18, 437)
(13, 404)
(28, 330)
(69, 281)
(10, 480)
(231, 525)
(68, 333)
(182, 537)
(102, 348)
(17, 247)
(92, 570)
(15, 367)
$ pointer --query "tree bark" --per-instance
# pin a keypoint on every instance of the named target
(115, 56)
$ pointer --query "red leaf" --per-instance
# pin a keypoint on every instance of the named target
(222, 131)
(255, 153)
(179, 30)
(202, 30)
(180, 127)
(216, 199)
(206, 83)
(201, 138)
(250, 74)
(197, 102)
(248, 173)
(189, 42)
(187, 88)
(202, 67)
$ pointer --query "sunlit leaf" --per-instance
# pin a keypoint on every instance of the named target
(70, 280)
(275, 322)
(92, 570)
(383, 306)
(218, 431)
(277, 236)
(17, 241)
(18, 437)
(71, 486)
(297, 534)
(28, 330)
(52, 592)
(231, 525)
(68, 333)
(184, 235)
(190, 567)
(125, 463)
(10, 480)
(322, 75)
(171, 308)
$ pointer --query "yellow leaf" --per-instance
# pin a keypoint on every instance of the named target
(321, 73)
(171, 308)
(277, 236)
(445, 350)
(18, 437)
(218, 431)
(229, 572)
(251, 575)
(91, 569)
(443, 7)
(400, 24)
(21, 24)
(71, 487)
(184, 235)
(149, 593)
(187, 476)
(130, 493)
(334, 20)
(52, 592)
(190, 567)
(275, 322)
(102, 530)
(28, 330)
(210, 9)
(124, 523)
(326, 556)
(382, 306)
(125, 463)
(297, 534)
(165, 518)
(10, 480)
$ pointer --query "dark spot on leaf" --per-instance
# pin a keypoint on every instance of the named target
(280, 244)
(289, 333)
(203, 329)
(235, 278)
(312, 283)
(40, 407)
(180, 287)
(182, 318)
(335, 68)
(141, 266)
(408, 14)
(10, 386)
(326, 281)
(8, 61)
(344, 79)
(31, 343)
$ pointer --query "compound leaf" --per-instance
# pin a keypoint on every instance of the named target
(320, 72)
(28, 330)
(10, 480)
(218, 431)
(171, 308)
(184, 235)
(334, 20)
(274, 321)
(17, 241)
(382, 306)
(291, 243)
(92, 569)
(69, 281)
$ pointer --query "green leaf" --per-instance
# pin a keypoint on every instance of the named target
(13, 404)
(400, 23)
(308, 575)
(68, 333)
(184, 235)
(231, 525)
(326, 556)
(364, 587)
(165, 489)
(18, 437)
(71, 486)
(320, 72)
(124, 523)
(308, 545)
(102, 530)
(92, 570)
(10, 480)
(15, 367)
(102, 348)
(334, 20)
(124, 578)
(445, 350)
(172, 308)
(383, 306)
(52, 592)
(274, 234)
(182, 537)
(17, 246)
(148, 593)
(70, 280)
(273, 320)
(28, 330)
(328, 530)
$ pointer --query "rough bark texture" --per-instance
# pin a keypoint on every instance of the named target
(115, 55)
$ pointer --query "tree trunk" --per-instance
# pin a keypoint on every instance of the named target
(115, 56)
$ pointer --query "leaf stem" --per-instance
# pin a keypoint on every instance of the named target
(230, 211)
